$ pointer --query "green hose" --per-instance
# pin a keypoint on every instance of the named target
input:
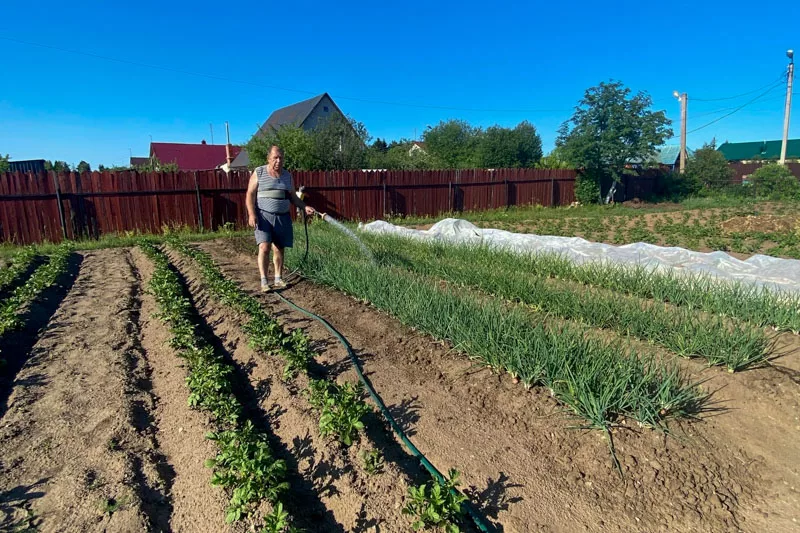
(473, 513)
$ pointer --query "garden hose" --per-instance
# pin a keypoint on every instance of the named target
(473, 513)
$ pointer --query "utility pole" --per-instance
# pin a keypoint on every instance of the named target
(228, 157)
(211, 127)
(684, 100)
(788, 110)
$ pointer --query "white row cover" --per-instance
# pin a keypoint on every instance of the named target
(760, 270)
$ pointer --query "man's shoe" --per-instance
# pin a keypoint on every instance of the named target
(279, 284)
(265, 288)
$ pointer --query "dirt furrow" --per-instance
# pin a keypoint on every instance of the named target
(527, 468)
(197, 506)
(78, 451)
(332, 492)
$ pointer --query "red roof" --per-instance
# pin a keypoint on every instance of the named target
(192, 156)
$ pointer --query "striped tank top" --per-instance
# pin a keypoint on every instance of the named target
(266, 183)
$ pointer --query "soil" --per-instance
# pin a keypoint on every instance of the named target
(96, 434)
(761, 223)
(78, 451)
(330, 490)
(736, 469)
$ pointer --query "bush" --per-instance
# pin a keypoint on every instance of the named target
(587, 189)
(709, 168)
(776, 182)
(677, 186)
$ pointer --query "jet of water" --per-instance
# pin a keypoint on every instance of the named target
(346, 231)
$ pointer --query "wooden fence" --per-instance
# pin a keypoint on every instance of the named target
(50, 206)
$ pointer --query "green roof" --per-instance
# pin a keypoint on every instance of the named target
(759, 150)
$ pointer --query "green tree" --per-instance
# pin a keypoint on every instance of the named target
(500, 147)
(708, 168)
(776, 182)
(554, 159)
(380, 145)
(297, 145)
(4, 166)
(608, 129)
(340, 143)
(453, 144)
(57, 166)
(83, 166)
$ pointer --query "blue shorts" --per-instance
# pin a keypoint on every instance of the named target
(275, 229)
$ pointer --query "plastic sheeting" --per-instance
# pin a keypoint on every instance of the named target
(760, 270)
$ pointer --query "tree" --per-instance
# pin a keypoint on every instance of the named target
(380, 145)
(57, 166)
(500, 147)
(297, 145)
(453, 144)
(708, 168)
(340, 143)
(609, 129)
(83, 166)
(4, 166)
(554, 159)
(776, 182)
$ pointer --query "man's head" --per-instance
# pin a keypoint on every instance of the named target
(275, 158)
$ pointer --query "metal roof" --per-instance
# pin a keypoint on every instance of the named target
(759, 150)
(293, 114)
(192, 156)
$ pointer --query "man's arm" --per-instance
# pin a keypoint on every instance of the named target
(250, 201)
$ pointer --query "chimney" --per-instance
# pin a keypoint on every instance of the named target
(203, 141)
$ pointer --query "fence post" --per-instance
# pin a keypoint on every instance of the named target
(199, 203)
(60, 207)
(508, 195)
(552, 191)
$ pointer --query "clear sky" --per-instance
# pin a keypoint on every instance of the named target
(396, 67)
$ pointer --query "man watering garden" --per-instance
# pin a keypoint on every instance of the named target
(270, 195)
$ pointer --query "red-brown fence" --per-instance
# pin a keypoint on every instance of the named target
(740, 170)
(92, 204)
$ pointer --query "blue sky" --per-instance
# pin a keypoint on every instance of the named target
(499, 63)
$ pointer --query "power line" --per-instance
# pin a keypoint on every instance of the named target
(779, 78)
(775, 86)
(279, 88)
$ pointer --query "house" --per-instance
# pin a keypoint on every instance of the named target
(30, 165)
(307, 114)
(193, 156)
(748, 152)
(139, 161)
(417, 147)
(665, 157)
(669, 156)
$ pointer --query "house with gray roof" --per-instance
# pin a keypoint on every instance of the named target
(307, 114)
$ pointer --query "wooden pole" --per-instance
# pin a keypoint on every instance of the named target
(60, 207)
(199, 203)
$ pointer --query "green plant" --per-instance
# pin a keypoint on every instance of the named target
(776, 182)
(110, 506)
(436, 505)
(372, 461)
(245, 466)
(278, 521)
(341, 408)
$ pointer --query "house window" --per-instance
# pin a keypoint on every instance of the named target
(325, 108)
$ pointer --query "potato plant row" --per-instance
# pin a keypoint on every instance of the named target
(244, 466)
(19, 264)
(42, 278)
(340, 407)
